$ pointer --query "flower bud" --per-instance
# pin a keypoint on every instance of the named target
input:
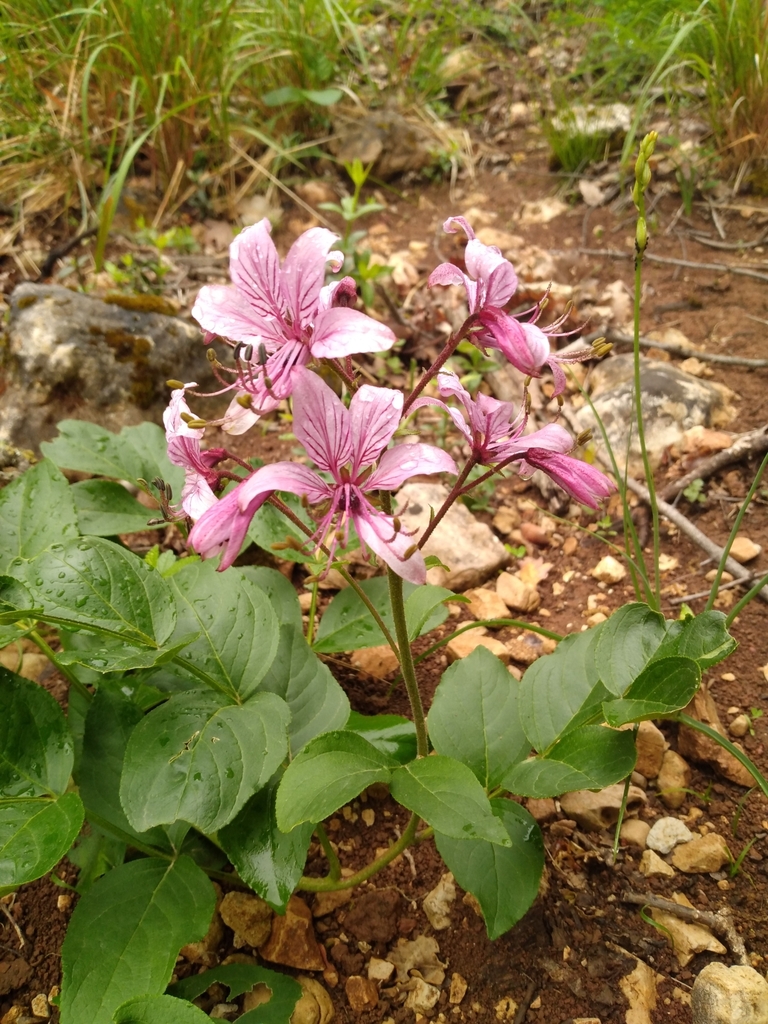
(641, 236)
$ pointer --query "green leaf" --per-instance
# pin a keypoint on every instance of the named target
(238, 630)
(36, 511)
(113, 656)
(425, 609)
(280, 593)
(36, 748)
(591, 758)
(562, 690)
(95, 855)
(34, 835)
(15, 601)
(159, 1010)
(663, 687)
(446, 794)
(96, 583)
(504, 881)
(110, 721)
(137, 918)
(199, 760)
(268, 860)
(474, 717)
(329, 771)
(705, 638)
(317, 702)
(281, 97)
(392, 734)
(241, 978)
(323, 97)
(627, 642)
(105, 508)
(136, 453)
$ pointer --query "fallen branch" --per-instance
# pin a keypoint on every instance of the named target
(617, 338)
(721, 923)
(755, 442)
(713, 243)
(618, 254)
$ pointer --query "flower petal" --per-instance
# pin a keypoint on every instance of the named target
(321, 423)
(304, 272)
(196, 496)
(341, 331)
(446, 274)
(407, 460)
(377, 532)
(486, 264)
(450, 226)
(237, 419)
(582, 481)
(254, 266)
(223, 528)
(283, 476)
(374, 414)
(221, 310)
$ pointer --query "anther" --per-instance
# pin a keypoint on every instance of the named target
(169, 492)
(527, 381)
(245, 400)
(238, 349)
(397, 524)
(187, 417)
(159, 483)
(584, 437)
(262, 354)
(560, 401)
(248, 353)
(410, 551)
(175, 384)
(197, 424)
(210, 355)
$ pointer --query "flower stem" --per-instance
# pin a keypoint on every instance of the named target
(430, 373)
(71, 678)
(454, 494)
(330, 853)
(329, 884)
(312, 614)
(406, 661)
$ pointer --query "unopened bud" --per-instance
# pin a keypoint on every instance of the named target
(641, 236)
(175, 384)
(584, 437)
(245, 400)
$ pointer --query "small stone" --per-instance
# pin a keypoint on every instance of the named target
(248, 916)
(422, 996)
(596, 619)
(702, 855)
(369, 817)
(380, 970)
(541, 809)
(506, 520)
(692, 743)
(688, 938)
(419, 954)
(485, 604)
(12, 1016)
(205, 952)
(638, 780)
(40, 1007)
(437, 903)
(516, 595)
(639, 989)
(740, 726)
(570, 544)
(379, 662)
(595, 811)
(362, 993)
(651, 864)
(326, 902)
(13, 974)
(305, 601)
(724, 578)
(63, 901)
(673, 780)
(666, 834)
(373, 918)
(313, 991)
(458, 989)
(505, 1009)
(292, 941)
(743, 549)
(634, 831)
(650, 744)
(729, 995)
(609, 570)
(463, 645)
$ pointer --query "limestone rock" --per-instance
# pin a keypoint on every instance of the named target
(420, 954)
(651, 864)
(673, 402)
(729, 995)
(639, 988)
(739, 726)
(699, 747)
(463, 645)
(673, 780)
(688, 938)
(437, 903)
(376, 661)
(666, 834)
(458, 989)
(506, 519)
(516, 595)
(312, 987)
(609, 570)
(248, 916)
(292, 941)
(380, 970)
(595, 811)
(326, 902)
(109, 360)
(385, 138)
(650, 744)
(422, 996)
(701, 855)
(541, 809)
(743, 549)
(362, 993)
(485, 604)
(635, 832)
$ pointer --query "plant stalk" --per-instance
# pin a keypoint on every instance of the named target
(334, 866)
(330, 885)
(445, 355)
(71, 678)
(406, 662)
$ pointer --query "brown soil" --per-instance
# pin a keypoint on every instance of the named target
(566, 958)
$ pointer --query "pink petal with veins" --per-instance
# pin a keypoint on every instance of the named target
(303, 272)
(321, 423)
(486, 264)
(406, 460)
(377, 532)
(254, 267)
(283, 476)
(221, 310)
(340, 332)
(374, 415)
(222, 529)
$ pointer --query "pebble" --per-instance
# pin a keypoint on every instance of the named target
(673, 780)
(666, 834)
(652, 865)
(650, 744)
(458, 989)
(463, 645)
(740, 726)
(517, 595)
(506, 519)
(635, 832)
(541, 809)
(437, 903)
(362, 993)
(609, 570)
(422, 996)
(248, 916)
(292, 941)
(743, 549)
(596, 811)
(702, 855)
(380, 970)
(486, 604)
(378, 662)
(40, 1007)
(729, 995)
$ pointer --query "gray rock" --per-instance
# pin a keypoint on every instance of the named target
(595, 811)
(729, 995)
(666, 833)
(470, 549)
(673, 402)
(72, 355)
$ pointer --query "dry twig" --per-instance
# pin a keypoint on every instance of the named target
(721, 922)
(754, 442)
(617, 338)
(618, 254)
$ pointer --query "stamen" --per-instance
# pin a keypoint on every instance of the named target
(584, 437)
(176, 384)
(248, 353)
(245, 400)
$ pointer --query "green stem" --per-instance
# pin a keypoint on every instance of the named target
(745, 601)
(453, 495)
(734, 530)
(726, 744)
(312, 614)
(330, 885)
(406, 661)
(64, 670)
(333, 860)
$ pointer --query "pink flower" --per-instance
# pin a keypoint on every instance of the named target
(495, 437)
(184, 450)
(282, 316)
(345, 443)
(490, 283)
